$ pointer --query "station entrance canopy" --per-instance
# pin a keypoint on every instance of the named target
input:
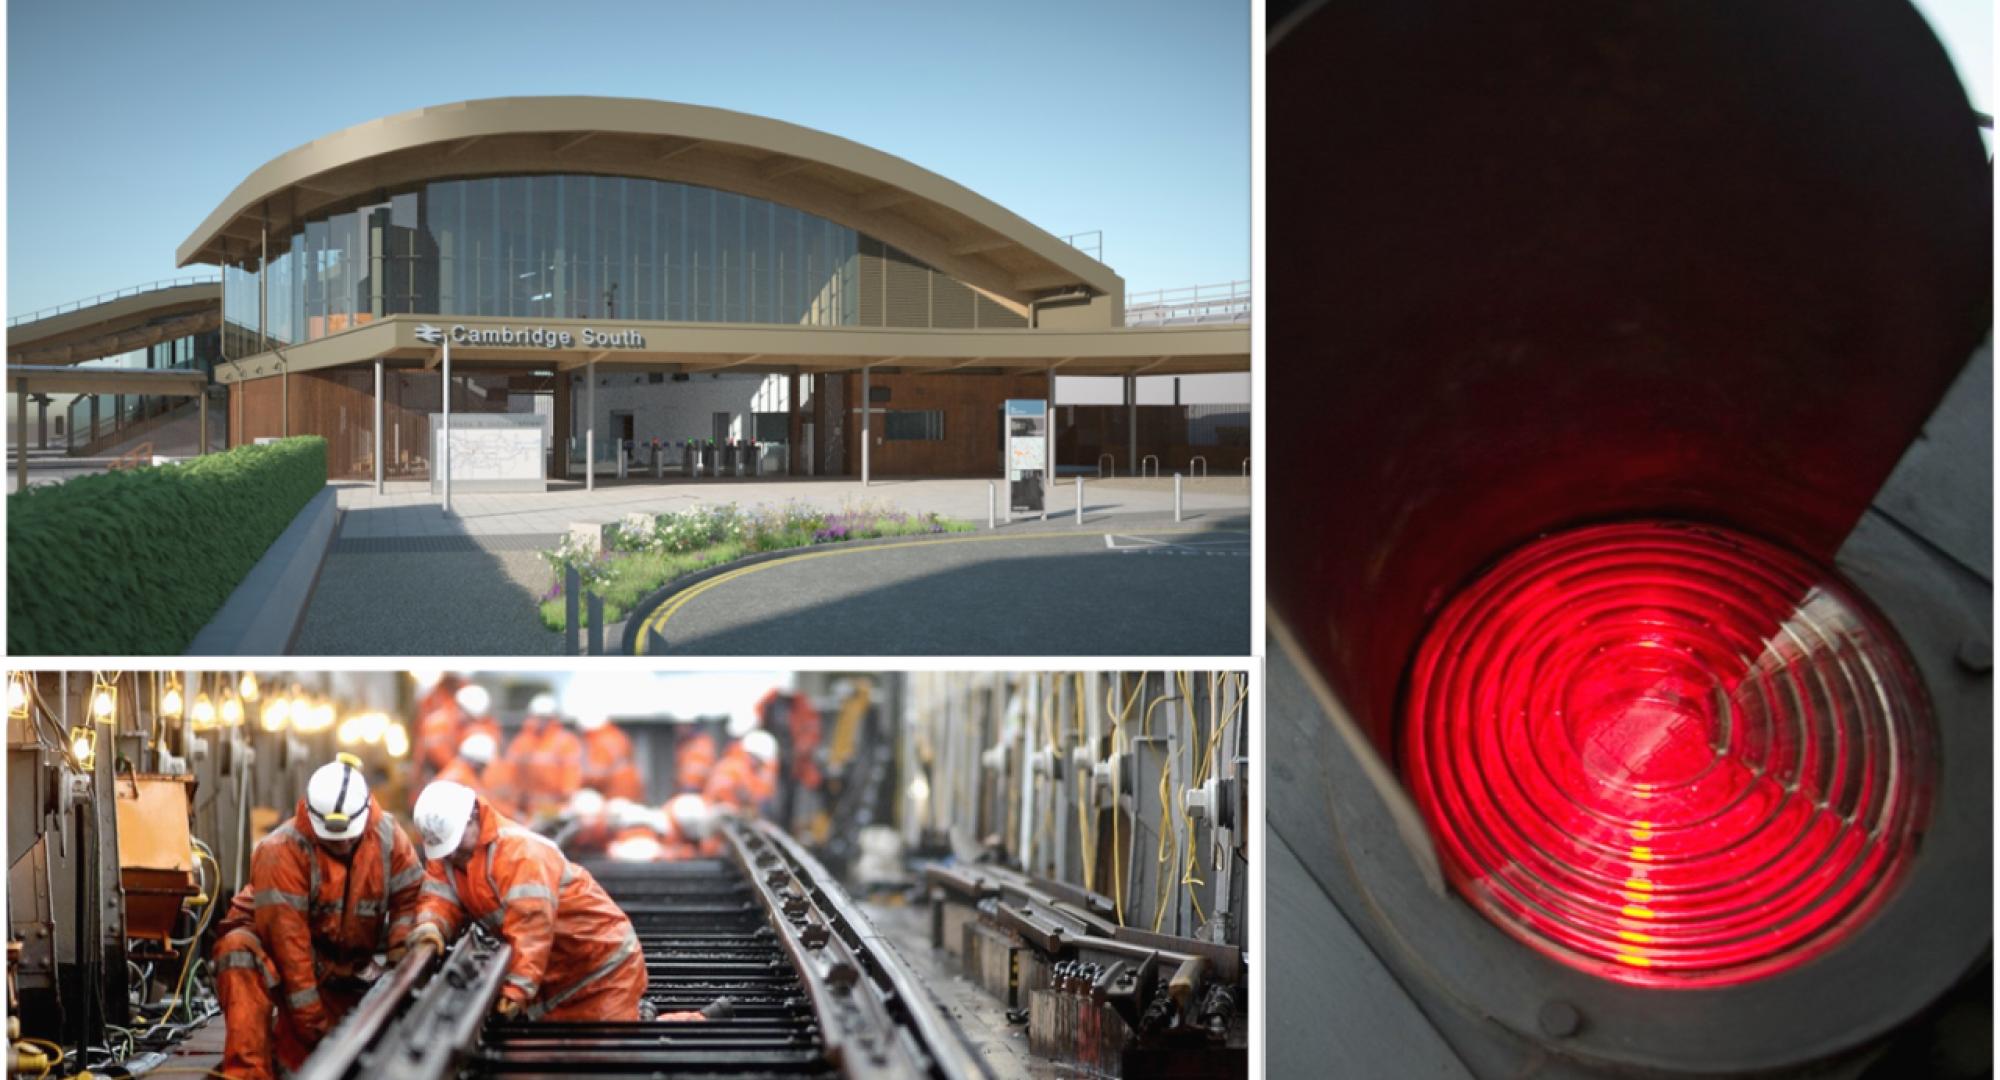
(557, 344)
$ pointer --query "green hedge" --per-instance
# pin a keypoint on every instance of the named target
(138, 561)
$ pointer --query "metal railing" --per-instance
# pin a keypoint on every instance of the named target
(133, 290)
(1090, 243)
(1228, 302)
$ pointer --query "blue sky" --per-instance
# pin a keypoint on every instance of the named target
(129, 121)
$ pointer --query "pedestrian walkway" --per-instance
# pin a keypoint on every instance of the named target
(404, 579)
(410, 510)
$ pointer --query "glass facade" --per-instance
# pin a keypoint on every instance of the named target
(558, 247)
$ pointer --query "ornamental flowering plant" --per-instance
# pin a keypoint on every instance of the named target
(645, 553)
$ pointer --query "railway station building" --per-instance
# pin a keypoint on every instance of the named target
(618, 273)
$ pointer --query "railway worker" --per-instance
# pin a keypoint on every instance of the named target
(441, 729)
(694, 760)
(607, 759)
(328, 890)
(546, 759)
(588, 822)
(690, 831)
(475, 768)
(683, 829)
(437, 733)
(746, 776)
(575, 956)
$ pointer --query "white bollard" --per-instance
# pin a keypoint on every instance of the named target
(992, 500)
(1177, 496)
(1079, 501)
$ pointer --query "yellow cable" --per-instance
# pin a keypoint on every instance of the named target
(194, 946)
(50, 1063)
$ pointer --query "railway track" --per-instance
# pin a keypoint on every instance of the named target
(762, 939)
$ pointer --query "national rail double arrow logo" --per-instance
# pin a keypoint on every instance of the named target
(430, 335)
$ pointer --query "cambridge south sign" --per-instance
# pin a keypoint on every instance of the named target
(539, 337)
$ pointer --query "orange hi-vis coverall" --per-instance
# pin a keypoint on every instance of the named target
(694, 759)
(295, 936)
(439, 731)
(575, 954)
(546, 760)
(740, 781)
(608, 765)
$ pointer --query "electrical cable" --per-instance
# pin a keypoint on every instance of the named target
(179, 998)
(58, 1059)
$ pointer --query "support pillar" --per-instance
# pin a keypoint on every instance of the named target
(794, 424)
(446, 452)
(20, 435)
(866, 409)
(201, 417)
(42, 406)
(590, 426)
(1049, 480)
(380, 472)
(562, 423)
(1132, 424)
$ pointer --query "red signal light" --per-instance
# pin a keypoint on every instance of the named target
(1668, 754)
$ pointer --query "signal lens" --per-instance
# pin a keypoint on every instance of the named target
(1667, 754)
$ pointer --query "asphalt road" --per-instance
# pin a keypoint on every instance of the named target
(1159, 590)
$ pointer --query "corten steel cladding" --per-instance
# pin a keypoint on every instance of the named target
(1546, 263)
(1668, 755)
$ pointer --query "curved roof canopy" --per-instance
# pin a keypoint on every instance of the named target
(948, 226)
(118, 325)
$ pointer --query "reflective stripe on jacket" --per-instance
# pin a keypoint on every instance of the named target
(566, 932)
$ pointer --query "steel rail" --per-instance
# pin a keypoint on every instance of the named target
(875, 1017)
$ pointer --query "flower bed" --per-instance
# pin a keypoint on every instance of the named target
(646, 553)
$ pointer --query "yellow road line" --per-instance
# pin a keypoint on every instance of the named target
(657, 621)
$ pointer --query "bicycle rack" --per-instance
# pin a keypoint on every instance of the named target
(1101, 459)
(1155, 459)
(1204, 466)
(1246, 468)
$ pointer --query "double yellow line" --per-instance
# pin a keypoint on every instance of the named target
(657, 621)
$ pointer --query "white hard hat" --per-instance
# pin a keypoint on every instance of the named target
(591, 721)
(543, 705)
(474, 699)
(761, 745)
(626, 814)
(337, 799)
(587, 803)
(692, 815)
(743, 719)
(634, 849)
(442, 812)
(478, 747)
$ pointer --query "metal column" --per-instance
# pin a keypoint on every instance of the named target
(201, 440)
(1049, 420)
(447, 427)
(865, 436)
(21, 434)
(590, 426)
(1132, 423)
(379, 471)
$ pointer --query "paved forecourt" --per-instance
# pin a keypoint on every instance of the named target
(1144, 587)
(403, 579)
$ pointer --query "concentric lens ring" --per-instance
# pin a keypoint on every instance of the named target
(1668, 754)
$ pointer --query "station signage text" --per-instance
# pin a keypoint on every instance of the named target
(537, 337)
